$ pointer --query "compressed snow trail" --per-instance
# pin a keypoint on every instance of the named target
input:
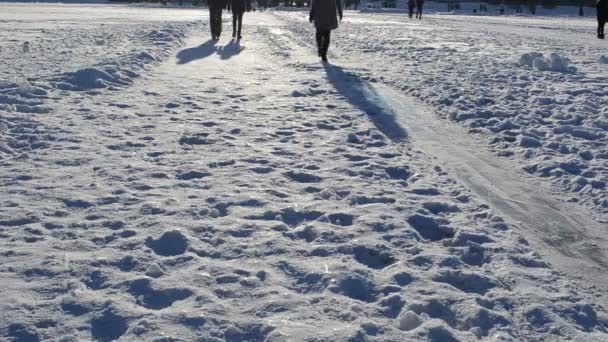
(575, 240)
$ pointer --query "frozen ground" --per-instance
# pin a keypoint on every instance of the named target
(244, 192)
(550, 118)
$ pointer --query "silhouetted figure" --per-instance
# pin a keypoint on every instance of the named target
(324, 14)
(411, 4)
(238, 8)
(419, 4)
(602, 15)
(215, 17)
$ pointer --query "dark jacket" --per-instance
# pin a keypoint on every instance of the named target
(216, 4)
(602, 10)
(325, 13)
(239, 6)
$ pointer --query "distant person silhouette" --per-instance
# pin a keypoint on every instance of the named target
(238, 8)
(215, 17)
(324, 14)
(602, 15)
(411, 4)
(419, 4)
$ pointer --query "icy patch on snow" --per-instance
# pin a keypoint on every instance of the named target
(537, 61)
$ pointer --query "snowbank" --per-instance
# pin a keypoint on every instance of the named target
(123, 70)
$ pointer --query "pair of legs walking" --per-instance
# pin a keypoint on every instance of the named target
(215, 21)
(419, 5)
(600, 28)
(237, 24)
(323, 38)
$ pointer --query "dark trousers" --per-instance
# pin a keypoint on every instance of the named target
(411, 8)
(600, 28)
(215, 21)
(323, 38)
(419, 9)
(237, 24)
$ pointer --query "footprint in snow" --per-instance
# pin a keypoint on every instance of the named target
(302, 177)
(170, 243)
(189, 175)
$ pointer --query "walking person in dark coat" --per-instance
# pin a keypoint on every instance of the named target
(238, 8)
(419, 4)
(324, 14)
(602, 16)
(411, 4)
(215, 17)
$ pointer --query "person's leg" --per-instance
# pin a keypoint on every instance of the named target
(219, 23)
(240, 22)
(319, 37)
(211, 23)
(326, 40)
(234, 21)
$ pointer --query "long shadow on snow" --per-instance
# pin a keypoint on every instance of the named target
(364, 96)
(230, 50)
(207, 49)
(199, 52)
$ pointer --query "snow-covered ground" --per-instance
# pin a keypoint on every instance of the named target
(549, 117)
(157, 186)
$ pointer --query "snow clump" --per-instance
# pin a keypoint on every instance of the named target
(537, 61)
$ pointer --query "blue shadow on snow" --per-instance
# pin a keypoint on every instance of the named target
(199, 52)
(365, 97)
(230, 50)
(207, 49)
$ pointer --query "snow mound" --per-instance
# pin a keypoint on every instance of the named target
(537, 61)
(409, 321)
(603, 59)
(123, 70)
(24, 98)
(91, 78)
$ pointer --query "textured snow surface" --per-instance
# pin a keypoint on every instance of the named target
(245, 192)
(549, 114)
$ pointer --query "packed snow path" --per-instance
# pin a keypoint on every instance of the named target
(244, 192)
(571, 237)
